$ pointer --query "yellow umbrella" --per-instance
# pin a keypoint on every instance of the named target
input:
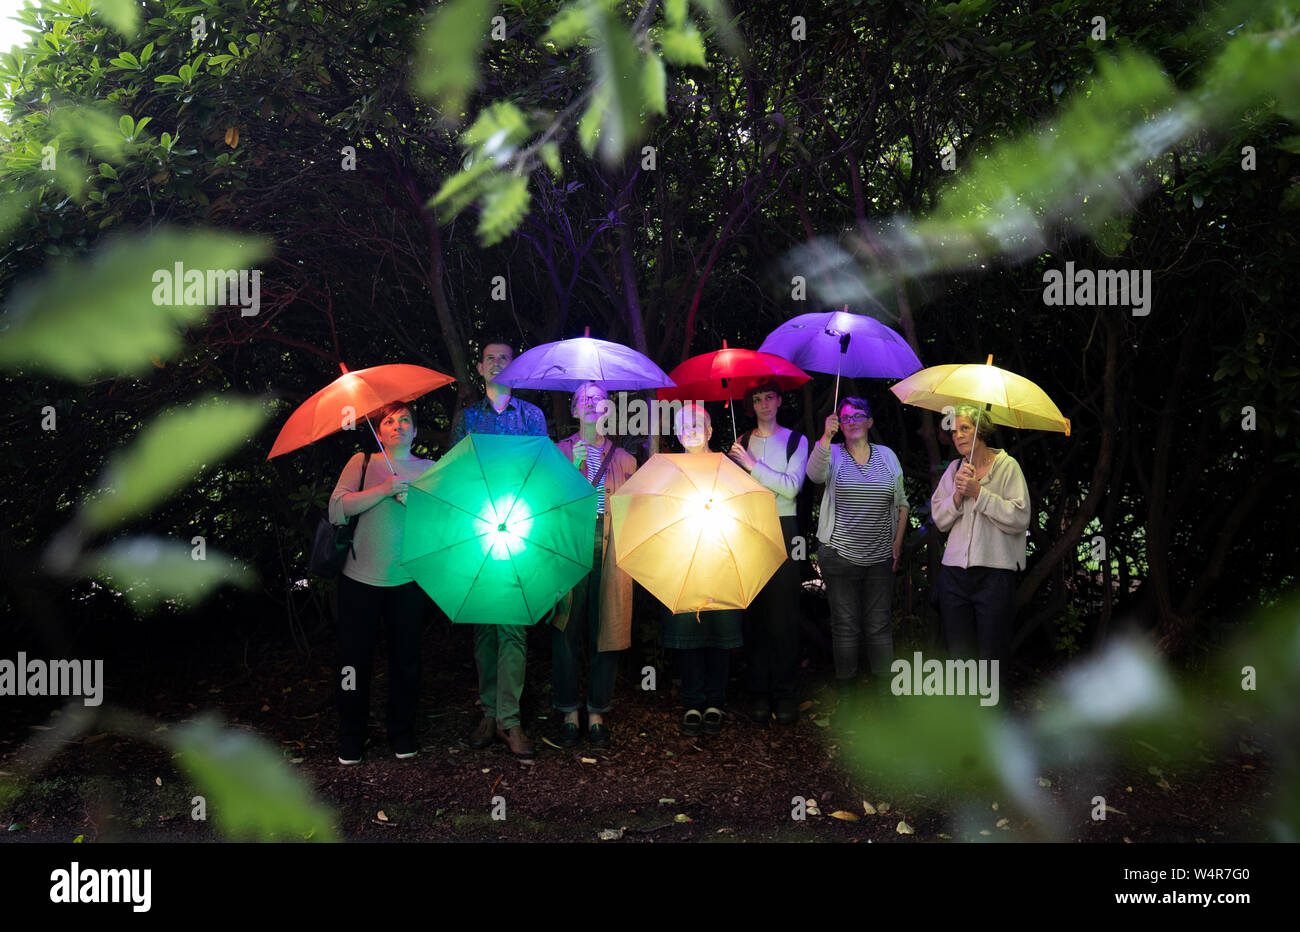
(697, 532)
(1004, 397)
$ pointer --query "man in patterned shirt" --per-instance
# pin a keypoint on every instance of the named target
(499, 650)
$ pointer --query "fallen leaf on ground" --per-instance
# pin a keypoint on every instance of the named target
(883, 807)
(904, 829)
(846, 816)
(985, 831)
(667, 801)
(587, 760)
(1002, 823)
(158, 780)
(611, 834)
(683, 817)
(805, 705)
(868, 808)
(381, 816)
(1043, 781)
(1110, 808)
(546, 740)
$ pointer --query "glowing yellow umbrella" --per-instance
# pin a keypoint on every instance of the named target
(1003, 397)
(697, 532)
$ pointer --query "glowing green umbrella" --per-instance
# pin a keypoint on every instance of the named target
(499, 529)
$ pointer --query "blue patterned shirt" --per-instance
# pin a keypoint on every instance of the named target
(518, 419)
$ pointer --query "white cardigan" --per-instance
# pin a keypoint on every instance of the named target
(821, 469)
(991, 530)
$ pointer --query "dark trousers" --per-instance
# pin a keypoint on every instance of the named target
(861, 599)
(704, 676)
(772, 627)
(566, 645)
(363, 609)
(977, 608)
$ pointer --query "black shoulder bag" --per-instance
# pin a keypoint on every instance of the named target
(333, 542)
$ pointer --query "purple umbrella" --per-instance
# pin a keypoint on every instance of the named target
(565, 365)
(843, 343)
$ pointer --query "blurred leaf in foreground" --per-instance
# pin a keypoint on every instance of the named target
(96, 316)
(168, 453)
(251, 793)
(149, 570)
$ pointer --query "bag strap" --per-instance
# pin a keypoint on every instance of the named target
(791, 445)
(604, 464)
(361, 486)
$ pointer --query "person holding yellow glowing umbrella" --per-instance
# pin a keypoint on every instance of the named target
(703, 537)
(982, 498)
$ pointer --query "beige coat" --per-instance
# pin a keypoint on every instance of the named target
(615, 585)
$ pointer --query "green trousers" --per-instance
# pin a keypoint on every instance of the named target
(500, 653)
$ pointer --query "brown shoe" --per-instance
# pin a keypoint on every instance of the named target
(517, 741)
(483, 734)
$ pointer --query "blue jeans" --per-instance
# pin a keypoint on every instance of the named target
(861, 600)
(566, 645)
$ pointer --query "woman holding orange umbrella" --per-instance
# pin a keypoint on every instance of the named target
(375, 590)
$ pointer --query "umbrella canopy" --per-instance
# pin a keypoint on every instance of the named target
(499, 529)
(568, 363)
(1003, 397)
(697, 531)
(840, 343)
(726, 374)
(363, 392)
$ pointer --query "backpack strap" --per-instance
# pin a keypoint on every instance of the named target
(361, 486)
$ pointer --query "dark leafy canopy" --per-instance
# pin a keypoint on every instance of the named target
(316, 125)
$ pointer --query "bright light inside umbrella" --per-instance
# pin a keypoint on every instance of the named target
(509, 523)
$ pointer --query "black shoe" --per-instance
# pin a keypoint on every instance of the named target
(712, 721)
(569, 735)
(404, 748)
(786, 711)
(598, 735)
(691, 722)
(760, 711)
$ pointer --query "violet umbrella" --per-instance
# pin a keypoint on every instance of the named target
(845, 344)
(566, 364)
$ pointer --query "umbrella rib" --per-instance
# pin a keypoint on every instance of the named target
(628, 555)
(689, 566)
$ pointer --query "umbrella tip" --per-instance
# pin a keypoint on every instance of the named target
(724, 344)
(989, 361)
(586, 331)
(344, 367)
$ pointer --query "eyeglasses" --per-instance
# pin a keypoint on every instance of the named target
(853, 419)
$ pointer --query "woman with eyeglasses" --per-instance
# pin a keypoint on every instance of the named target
(599, 608)
(861, 526)
(984, 501)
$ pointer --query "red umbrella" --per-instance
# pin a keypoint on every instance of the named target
(726, 374)
(352, 396)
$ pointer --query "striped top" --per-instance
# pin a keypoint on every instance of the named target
(593, 467)
(864, 502)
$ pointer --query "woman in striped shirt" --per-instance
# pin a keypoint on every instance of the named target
(598, 609)
(861, 525)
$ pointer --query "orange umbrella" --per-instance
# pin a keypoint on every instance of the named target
(352, 396)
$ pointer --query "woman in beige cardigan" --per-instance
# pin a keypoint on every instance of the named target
(984, 501)
(600, 607)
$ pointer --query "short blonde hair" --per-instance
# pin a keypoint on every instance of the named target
(697, 409)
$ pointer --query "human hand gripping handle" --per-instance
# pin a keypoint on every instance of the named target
(831, 428)
(965, 485)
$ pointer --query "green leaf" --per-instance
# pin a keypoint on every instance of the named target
(683, 46)
(447, 67)
(150, 570)
(675, 10)
(169, 79)
(619, 69)
(97, 316)
(462, 189)
(122, 15)
(127, 125)
(655, 85)
(498, 128)
(723, 24)
(97, 127)
(146, 54)
(108, 171)
(249, 790)
(570, 25)
(590, 124)
(504, 206)
(551, 157)
(168, 453)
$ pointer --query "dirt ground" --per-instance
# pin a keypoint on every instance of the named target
(652, 785)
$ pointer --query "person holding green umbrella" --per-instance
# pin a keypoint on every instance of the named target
(983, 501)
(500, 651)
